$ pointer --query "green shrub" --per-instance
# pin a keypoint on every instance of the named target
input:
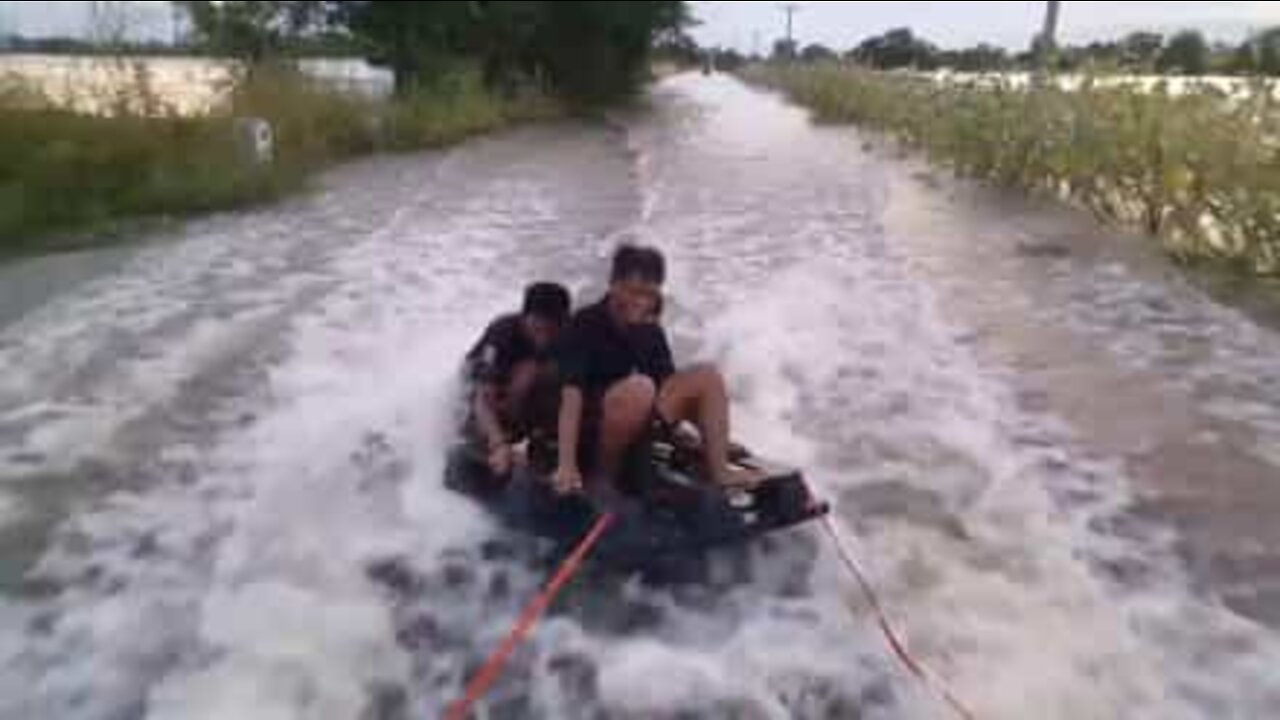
(61, 171)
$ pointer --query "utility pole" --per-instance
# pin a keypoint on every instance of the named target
(1048, 42)
(791, 11)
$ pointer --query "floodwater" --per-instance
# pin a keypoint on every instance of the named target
(1056, 454)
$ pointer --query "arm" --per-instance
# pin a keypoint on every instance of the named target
(570, 427)
(568, 477)
(484, 406)
(500, 453)
(572, 359)
(483, 370)
(662, 364)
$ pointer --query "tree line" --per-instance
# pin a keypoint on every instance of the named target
(588, 51)
(1186, 53)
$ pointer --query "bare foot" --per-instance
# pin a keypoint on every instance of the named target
(739, 476)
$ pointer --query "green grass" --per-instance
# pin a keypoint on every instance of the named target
(60, 171)
(1198, 170)
(65, 175)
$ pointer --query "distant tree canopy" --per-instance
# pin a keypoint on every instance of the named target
(1245, 60)
(981, 58)
(818, 53)
(728, 59)
(681, 49)
(785, 50)
(899, 48)
(252, 29)
(47, 45)
(1187, 53)
(1266, 49)
(591, 51)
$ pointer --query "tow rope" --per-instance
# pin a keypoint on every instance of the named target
(492, 669)
(919, 670)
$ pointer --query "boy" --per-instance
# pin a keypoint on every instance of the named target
(507, 365)
(618, 375)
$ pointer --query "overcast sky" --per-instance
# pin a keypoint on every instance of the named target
(837, 24)
(149, 18)
(842, 24)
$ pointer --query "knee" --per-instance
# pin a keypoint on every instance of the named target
(637, 390)
(632, 398)
(706, 377)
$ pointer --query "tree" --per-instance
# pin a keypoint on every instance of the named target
(1245, 59)
(251, 30)
(1269, 60)
(681, 49)
(416, 40)
(818, 53)
(980, 58)
(1187, 52)
(501, 34)
(1099, 55)
(728, 59)
(589, 51)
(1045, 45)
(594, 51)
(785, 50)
(1268, 49)
(110, 24)
(898, 48)
(1105, 52)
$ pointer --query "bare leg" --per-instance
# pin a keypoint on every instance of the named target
(699, 396)
(627, 412)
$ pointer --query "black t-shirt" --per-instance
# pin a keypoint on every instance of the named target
(595, 352)
(503, 346)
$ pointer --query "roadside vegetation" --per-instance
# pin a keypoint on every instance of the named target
(65, 177)
(1198, 168)
(460, 68)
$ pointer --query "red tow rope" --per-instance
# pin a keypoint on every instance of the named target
(492, 669)
(922, 673)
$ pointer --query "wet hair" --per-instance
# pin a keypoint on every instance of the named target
(634, 262)
(549, 301)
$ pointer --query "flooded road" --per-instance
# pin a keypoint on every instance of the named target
(1057, 456)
